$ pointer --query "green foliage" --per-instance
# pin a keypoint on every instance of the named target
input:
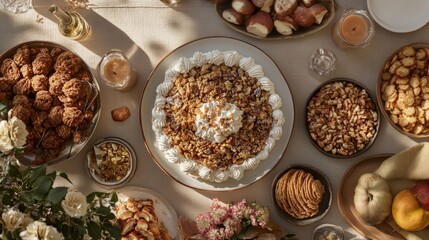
(32, 192)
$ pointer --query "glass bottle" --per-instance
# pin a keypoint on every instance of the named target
(71, 24)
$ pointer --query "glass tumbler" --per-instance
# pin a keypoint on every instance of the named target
(15, 6)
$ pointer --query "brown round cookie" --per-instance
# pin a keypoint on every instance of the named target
(42, 64)
(72, 116)
(55, 116)
(10, 70)
(6, 85)
(23, 113)
(26, 71)
(57, 81)
(22, 56)
(43, 100)
(63, 131)
(67, 62)
(39, 82)
(75, 89)
(51, 140)
(23, 87)
(22, 100)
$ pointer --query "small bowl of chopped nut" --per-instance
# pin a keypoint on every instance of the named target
(112, 162)
(342, 118)
(403, 90)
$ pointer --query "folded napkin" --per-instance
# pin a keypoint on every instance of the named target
(412, 164)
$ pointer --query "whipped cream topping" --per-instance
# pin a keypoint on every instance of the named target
(216, 121)
(189, 166)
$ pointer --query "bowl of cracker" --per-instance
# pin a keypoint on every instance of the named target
(342, 118)
(302, 194)
(52, 90)
(403, 90)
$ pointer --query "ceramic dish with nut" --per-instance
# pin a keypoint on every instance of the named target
(342, 118)
(403, 90)
(112, 162)
(52, 90)
(302, 194)
(274, 20)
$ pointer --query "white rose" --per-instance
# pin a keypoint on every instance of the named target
(13, 219)
(5, 141)
(40, 231)
(53, 234)
(17, 132)
(75, 204)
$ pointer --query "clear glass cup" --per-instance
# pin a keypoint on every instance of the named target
(354, 29)
(116, 71)
(322, 62)
(16, 6)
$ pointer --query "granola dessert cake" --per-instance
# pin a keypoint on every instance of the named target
(216, 115)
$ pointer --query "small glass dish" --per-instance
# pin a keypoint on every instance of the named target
(112, 162)
(328, 232)
(322, 62)
(324, 205)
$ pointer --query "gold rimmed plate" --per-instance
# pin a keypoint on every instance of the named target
(207, 45)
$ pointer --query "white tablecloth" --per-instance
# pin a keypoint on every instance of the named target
(147, 30)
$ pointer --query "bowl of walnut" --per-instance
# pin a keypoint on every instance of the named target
(52, 90)
(342, 118)
(403, 90)
(112, 162)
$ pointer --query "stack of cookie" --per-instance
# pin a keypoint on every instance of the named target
(299, 194)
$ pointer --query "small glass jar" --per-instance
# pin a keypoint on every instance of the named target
(116, 71)
(355, 29)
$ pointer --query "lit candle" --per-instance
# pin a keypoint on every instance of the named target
(116, 71)
(354, 29)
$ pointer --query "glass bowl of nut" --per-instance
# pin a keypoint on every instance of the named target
(302, 194)
(112, 162)
(403, 90)
(342, 118)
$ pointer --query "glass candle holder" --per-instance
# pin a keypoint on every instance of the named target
(355, 29)
(116, 71)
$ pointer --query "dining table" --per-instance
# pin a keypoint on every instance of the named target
(147, 31)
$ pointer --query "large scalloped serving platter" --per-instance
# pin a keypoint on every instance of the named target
(206, 45)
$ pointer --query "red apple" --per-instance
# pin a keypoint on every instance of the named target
(421, 191)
